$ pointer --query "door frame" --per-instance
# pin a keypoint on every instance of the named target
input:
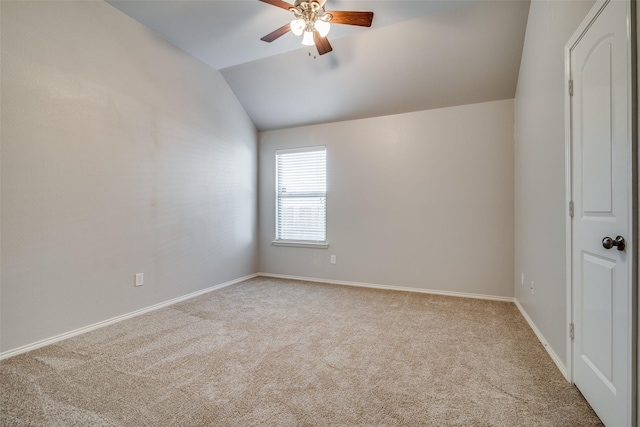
(634, 195)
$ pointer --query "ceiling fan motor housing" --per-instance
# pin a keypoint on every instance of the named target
(297, 3)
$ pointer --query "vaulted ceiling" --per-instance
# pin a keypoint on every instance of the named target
(417, 55)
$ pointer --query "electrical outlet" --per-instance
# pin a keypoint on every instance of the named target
(532, 287)
(139, 279)
(522, 279)
(333, 259)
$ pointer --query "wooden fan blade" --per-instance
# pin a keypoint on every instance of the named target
(362, 19)
(277, 33)
(322, 44)
(278, 3)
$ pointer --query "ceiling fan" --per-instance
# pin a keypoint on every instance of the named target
(313, 22)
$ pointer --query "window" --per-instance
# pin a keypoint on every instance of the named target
(301, 187)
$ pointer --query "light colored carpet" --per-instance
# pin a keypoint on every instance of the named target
(284, 353)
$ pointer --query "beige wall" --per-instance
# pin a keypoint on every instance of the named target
(540, 167)
(120, 154)
(421, 200)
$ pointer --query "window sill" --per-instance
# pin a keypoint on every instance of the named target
(300, 244)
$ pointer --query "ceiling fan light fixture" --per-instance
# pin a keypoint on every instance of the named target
(307, 39)
(322, 27)
(298, 26)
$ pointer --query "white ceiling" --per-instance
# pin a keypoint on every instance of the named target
(417, 55)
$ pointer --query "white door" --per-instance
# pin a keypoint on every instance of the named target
(601, 179)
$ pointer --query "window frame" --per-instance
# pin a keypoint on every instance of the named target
(290, 242)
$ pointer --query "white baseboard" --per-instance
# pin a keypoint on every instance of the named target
(63, 336)
(533, 327)
(554, 356)
(389, 287)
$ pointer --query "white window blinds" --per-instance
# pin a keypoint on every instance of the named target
(301, 186)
